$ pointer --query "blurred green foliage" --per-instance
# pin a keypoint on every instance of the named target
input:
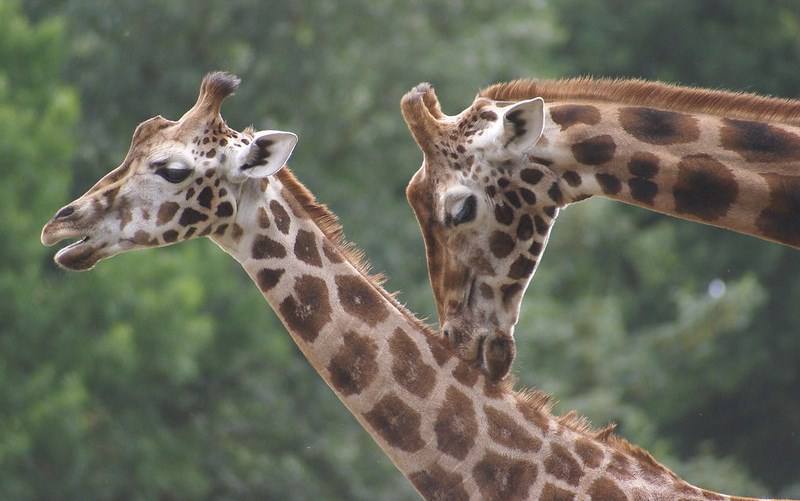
(163, 375)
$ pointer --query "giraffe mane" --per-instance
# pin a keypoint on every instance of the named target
(741, 105)
(529, 399)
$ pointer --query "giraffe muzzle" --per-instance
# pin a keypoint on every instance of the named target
(80, 255)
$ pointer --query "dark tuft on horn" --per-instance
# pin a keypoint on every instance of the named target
(219, 85)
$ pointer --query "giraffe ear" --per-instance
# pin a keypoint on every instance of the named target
(523, 124)
(267, 153)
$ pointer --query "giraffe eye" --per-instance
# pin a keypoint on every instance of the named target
(173, 172)
(466, 212)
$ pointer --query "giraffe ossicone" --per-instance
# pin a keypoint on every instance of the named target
(453, 433)
(524, 150)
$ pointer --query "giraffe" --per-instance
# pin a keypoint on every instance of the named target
(452, 432)
(495, 176)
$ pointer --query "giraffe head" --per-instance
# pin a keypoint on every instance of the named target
(179, 180)
(485, 207)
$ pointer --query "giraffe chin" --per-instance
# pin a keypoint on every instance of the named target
(78, 256)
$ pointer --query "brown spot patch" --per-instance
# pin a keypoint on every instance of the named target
(596, 150)
(572, 178)
(500, 478)
(562, 465)
(620, 467)
(360, 299)
(759, 142)
(643, 190)
(513, 198)
(438, 484)
(170, 236)
(524, 228)
(191, 216)
(166, 212)
(522, 267)
(267, 278)
(280, 215)
(205, 197)
(531, 176)
(465, 374)
(503, 214)
(554, 192)
(355, 365)
(534, 416)
(604, 489)
(407, 366)
(501, 244)
(265, 248)
(528, 196)
(488, 115)
(643, 164)
(780, 220)
(308, 310)
(505, 431)
(542, 227)
(141, 237)
(705, 188)
(509, 292)
(590, 454)
(263, 218)
(331, 252)
(553, 493)
(568, 115)
(456, 425)
(659, 127)
(608, 183)
(225, 209)
(397, 423)
(305, 248)
(439, 351)
(236, 232)
(651, 471)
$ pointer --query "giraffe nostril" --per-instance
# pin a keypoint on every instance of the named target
(65, 212)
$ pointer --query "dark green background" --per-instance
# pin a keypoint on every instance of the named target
(162, 375)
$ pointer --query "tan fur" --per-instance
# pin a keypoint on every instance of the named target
(741, 105)
(533, 399)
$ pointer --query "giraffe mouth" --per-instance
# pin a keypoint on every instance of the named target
(80, 255)
(77, 256)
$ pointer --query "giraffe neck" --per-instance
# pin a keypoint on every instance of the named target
(449, 431)
(737, 174)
